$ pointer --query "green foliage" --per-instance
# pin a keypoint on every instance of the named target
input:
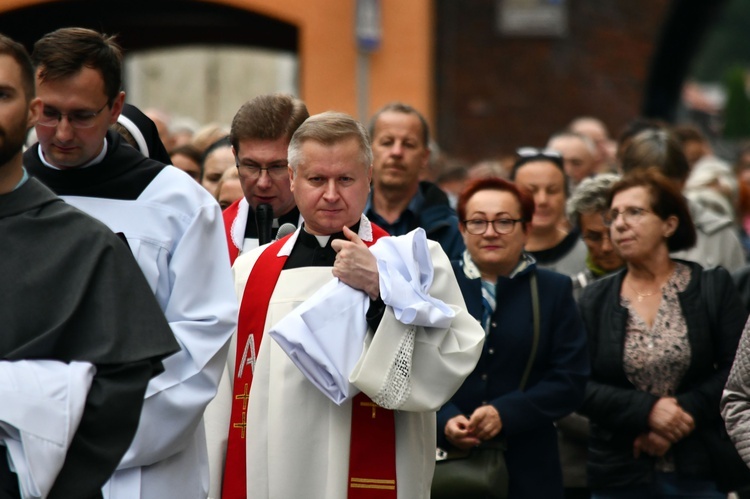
(726, 45)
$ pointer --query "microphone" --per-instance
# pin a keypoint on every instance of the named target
(285, 230)
(264, 219)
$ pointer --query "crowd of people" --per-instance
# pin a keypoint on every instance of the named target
(308, 306)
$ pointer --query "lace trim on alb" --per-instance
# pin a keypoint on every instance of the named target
(397, 385)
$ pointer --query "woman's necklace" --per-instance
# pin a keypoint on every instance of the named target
(641, 296)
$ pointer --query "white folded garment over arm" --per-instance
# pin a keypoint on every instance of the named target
(325, 336)
(41, 404)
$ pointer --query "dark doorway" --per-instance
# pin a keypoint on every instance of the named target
(143, 24)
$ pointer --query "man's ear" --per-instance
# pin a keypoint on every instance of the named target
(425, 159)
(35, 111)
(117, 105)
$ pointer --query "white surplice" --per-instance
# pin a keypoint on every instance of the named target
(175, 231)
(298, 440)
(325, 335)
(43, 401)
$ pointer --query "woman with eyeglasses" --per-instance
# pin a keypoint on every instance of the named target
(524, 381)
(662, 337)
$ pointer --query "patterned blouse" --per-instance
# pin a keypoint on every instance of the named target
(656, 358)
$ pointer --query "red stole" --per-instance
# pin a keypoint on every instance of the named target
(372, 461)
(250, 325)
(229, 215)
(372, 448)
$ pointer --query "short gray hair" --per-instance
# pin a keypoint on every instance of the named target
(590, 196)
(567, 134)
(329, 128)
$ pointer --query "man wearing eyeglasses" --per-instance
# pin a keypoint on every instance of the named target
(587, 210)
(260, 136)
(173, 227)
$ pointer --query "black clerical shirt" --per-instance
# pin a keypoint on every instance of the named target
(308, 252)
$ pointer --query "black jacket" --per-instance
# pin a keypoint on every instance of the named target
(619, 412)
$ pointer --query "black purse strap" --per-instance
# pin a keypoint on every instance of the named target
(535, 341)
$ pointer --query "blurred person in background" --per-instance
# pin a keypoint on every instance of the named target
(551, 242)
(500, 167)
(633, 128)
(229, 188)
(188, 159)
(694, 143)
(586, 210)
(596, 130)
(713, 185)
(452, 179)
(217, 159)
(579, 156)
(207, 135)
(182, 130)
(163, 122)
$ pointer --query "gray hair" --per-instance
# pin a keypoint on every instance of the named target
(329, 128)
(590, 196)
(567, 134)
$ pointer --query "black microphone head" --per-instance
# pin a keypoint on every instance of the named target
(285, 230)
(264, 219)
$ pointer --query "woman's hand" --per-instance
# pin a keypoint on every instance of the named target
(669, 420)
(485, 422)
(457, 432)
(652, 444)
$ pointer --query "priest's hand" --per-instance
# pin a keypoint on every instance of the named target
(457, 432)
(355, 265)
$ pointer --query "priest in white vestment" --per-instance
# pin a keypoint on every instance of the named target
(298, 441)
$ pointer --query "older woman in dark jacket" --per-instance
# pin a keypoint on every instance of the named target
(662, 336)
(495, 278)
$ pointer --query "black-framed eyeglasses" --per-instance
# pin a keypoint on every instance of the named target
(77, 119)
(500, 225)
(630, 215)
(253, 172)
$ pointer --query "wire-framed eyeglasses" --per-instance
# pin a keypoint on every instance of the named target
(630, 215)
(253, 172)
(500, 225)
(77, 119)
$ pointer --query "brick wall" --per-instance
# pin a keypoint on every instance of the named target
(495, 93)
